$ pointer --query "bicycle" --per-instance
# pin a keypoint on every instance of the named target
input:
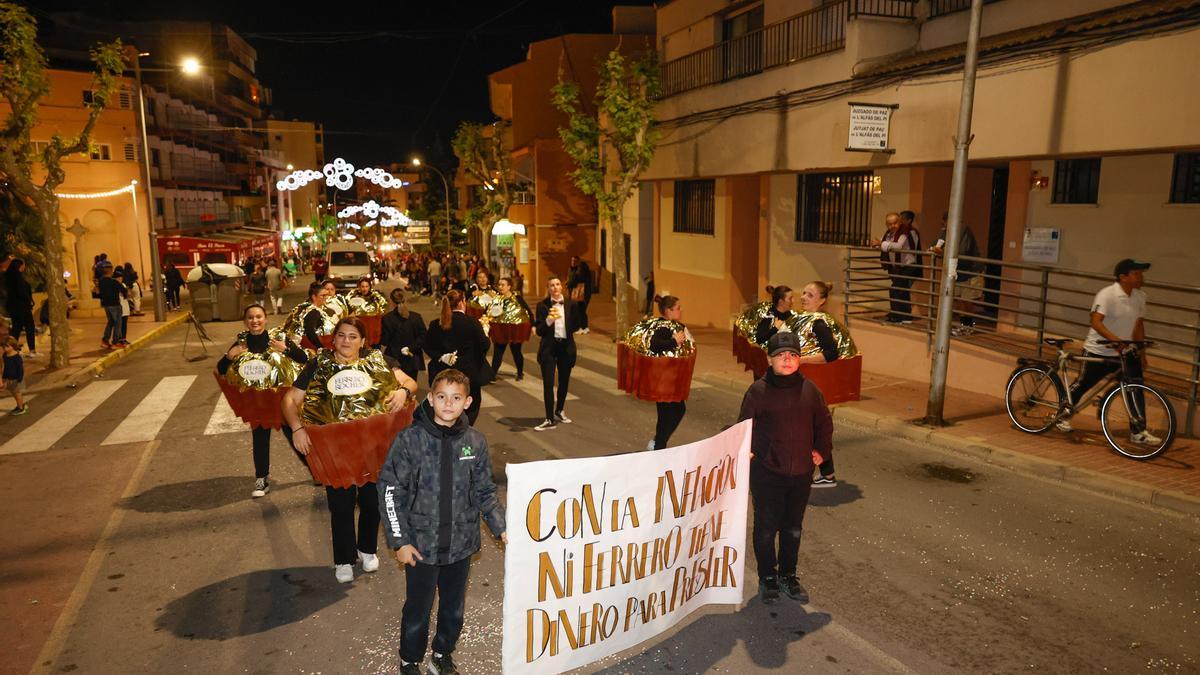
(1138, 420)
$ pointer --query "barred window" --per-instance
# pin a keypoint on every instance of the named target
(1185, 179)
(1076, 181)
(834, 208)
(695, 206)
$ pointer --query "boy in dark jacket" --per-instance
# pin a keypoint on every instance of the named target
(791, 425)
(433, 487)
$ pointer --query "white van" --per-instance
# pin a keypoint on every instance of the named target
(348, 262)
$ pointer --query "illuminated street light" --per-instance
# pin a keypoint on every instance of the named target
(190, 66)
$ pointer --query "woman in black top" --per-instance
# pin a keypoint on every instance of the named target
(257, 340)
(457, 340)
(19, 303)
(174, 283)
(402, 332)
(663, 341)
(781, 309)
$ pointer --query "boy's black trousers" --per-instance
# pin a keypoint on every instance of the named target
(421, 581)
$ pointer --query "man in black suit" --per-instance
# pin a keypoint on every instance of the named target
(558, 317)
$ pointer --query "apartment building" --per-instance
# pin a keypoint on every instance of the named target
(1084, 125)
(301, 145)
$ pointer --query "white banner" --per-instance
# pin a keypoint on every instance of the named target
(605, 552)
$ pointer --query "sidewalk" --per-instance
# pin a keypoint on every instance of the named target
(978, 425)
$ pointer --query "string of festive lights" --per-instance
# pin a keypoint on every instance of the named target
(97, 195)
(340, 174)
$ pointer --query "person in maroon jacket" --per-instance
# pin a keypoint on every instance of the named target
(792, 424)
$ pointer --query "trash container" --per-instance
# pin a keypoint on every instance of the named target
(215, 290)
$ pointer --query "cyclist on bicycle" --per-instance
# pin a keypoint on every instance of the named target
(1117, 313)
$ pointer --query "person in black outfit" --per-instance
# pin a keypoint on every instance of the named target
(174, 283)
(579, 283)
(558, 317)
(457, 340)
(259, 342)
(19, 303)
(111, 292)
(781, 310)
(812, 299)
(402, 332)
(670, 413)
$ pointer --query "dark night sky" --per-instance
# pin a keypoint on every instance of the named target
(386, 78)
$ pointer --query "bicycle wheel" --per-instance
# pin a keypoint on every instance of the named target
(1033, 397)
(1139, 425)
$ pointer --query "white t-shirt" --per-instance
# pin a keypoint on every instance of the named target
(1121, 313)
(560, 324)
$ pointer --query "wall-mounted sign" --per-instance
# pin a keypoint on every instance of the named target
(1041, 245)
(869, 125)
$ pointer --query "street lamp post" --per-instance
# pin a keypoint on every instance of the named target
(445, 190)
(160, 301)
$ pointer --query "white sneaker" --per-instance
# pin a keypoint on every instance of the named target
(548, 424)
(370, 561)
(558, 416)
(1064, 425)
(1145, 438)
(34, 355)
(343, 573)
(650, 445)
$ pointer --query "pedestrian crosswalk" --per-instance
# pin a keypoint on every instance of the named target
(138, 410)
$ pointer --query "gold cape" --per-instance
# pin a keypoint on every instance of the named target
(507, 310)
(269, 370)
(293, 326)
(801, 324)
(638, 337)
(747, 322)
(341, 392)
(372, 303)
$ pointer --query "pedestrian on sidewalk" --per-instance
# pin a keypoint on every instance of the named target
(898, 258)
(558, 318)
(668, 336)
(258, 284)
(792, 426)
(19, 304)
(968, 283)
(283, 358)
(14, 375)
(457, 340)
(434, 486)
(274, 287)
(112, 292)
(174, 283)
(312, 401)
(579, 284)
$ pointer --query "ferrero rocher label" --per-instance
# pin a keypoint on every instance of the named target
(801, 324)
(371, 303)
(341, 392)
(638, 337)
(293, 326)
(269, 370)
(483, 301)
(507, 309)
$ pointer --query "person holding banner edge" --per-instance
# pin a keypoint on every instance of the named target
(793, 431)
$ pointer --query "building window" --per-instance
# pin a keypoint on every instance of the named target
(155, 158)
(695, 206)
(101, 151)
(130, 152)
(1185, 179)
(158, 206)
(834, 208)
(39, 148)
(1076, 181)
(742, 44)
(88, 96)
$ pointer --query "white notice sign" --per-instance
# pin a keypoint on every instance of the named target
(869, 124)
(1041, 245)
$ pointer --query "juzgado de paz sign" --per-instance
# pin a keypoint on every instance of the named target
(605, 552)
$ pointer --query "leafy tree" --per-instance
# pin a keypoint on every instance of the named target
(612, 147)
(23, 83)
(482, 155)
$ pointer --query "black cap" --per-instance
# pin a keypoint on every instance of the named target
(1128, 265)
(783, 341)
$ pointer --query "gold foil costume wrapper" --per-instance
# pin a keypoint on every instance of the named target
(293, 326)
(269, 370)
(336, 304)
(507, 310)
(747, 323)
(483, 301)
(801, 324)
(638, 337)
(341, 392)
(371, 303)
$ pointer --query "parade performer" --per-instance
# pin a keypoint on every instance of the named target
(335, 301)
(756, 325)
(311, 322)
(509, 326)
(402, 334)
(254, 374)
(342, 413)
(369, 305)
(455, 340)
(655, 361)
(481, 295)
(558, 317)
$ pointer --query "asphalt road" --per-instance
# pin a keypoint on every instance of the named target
(131, 545)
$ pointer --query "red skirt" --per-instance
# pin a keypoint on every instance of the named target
(256, 407)
(654, 378)
(839, 380)
(351, 453)
(475, 312)
(326, 342)
(750, 355)
(509, 333)
(374, 325)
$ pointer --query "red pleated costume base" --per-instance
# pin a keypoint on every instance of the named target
(509, 333)
(351, 453)
(659, 379)
(749, 355)
(257, 407)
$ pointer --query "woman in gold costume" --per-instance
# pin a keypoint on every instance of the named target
(312, 319)
(509, 326)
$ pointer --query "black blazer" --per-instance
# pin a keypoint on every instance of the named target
(574, 320)
(465, 336)
(396, 332)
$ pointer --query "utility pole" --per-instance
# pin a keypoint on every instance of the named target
(958, 183)
(160, 300)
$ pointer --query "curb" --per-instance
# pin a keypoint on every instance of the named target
(979, 448)
(95, 368)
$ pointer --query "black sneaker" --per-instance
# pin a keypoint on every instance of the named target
(261, 488)
(561, 418)
(440, 664)
(768, 589)
(791, 587)
(410, 668)
(824, 482)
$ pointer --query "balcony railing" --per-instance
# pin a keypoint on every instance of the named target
(812, 33)
(941, 7)
(193, 214)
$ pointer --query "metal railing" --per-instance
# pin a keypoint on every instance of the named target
(193, 214)
(942, 7)
(818, 31)
(1022, 304)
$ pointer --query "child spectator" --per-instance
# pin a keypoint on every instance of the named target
(14, 374)
(432, 517)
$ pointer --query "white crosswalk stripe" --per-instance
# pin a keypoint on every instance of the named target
(490, 401)
(604, 383)
(152, 412)
(534, 388)
(223, 421)
(54, 425)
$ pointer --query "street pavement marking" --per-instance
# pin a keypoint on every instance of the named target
(602, 382)
(222, 420)
(55, 424)
(534, 388)
(151, 413)
(490, 401)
